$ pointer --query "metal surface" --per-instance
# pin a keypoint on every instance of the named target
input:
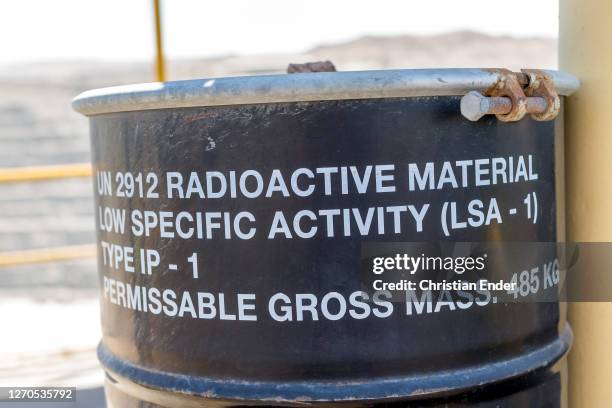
(584, 34)
(508, 86)
(542, 86)
(474, 105)
(182, 387)
(509, 102)
(357, 361)
(318, 66)
(542, 390)
(298, 87)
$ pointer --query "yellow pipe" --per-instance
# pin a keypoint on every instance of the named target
(160, 68)
(584, 51)
(38, 173)
(31, 256)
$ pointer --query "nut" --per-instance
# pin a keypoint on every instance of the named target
(474, 106)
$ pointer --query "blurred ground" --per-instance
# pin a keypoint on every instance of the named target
(49, 312)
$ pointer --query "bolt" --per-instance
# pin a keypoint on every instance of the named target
(475, 105)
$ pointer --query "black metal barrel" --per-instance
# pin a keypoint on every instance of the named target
(232, 217)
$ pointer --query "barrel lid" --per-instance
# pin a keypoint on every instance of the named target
(304, 87)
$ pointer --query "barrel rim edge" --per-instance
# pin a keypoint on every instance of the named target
(305, 87)
(379, 389)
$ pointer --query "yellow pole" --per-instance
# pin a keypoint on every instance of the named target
(160, 68)
(43, 255)
(584, 50)
(39, 173)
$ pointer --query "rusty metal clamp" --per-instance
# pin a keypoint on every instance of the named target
(541, 85)
(508, 86)
(513, 95)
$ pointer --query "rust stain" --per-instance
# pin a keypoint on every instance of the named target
(525, 86)
(509, 86)
(541, 85)
(522, 78)
(318, 66)
(200, 116)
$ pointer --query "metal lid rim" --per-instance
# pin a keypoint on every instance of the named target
(297, 88)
